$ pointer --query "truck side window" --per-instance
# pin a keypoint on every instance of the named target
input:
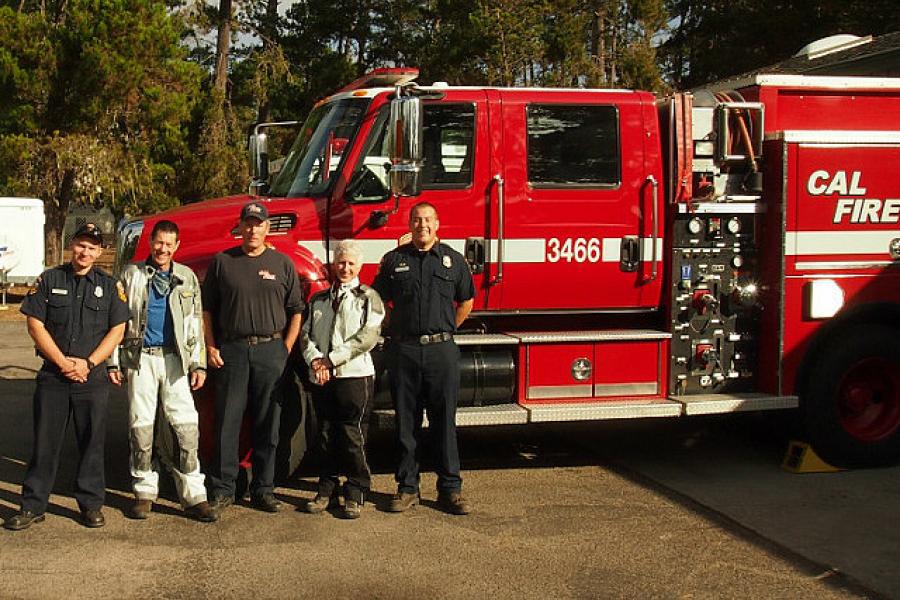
(449, 144)
(572, 145)
(370, 178)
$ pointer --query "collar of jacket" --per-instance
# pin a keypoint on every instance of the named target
(351, 285)
(437, 248)
(91, 275)
(150, 269)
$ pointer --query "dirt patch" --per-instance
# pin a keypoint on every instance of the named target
(10, 310)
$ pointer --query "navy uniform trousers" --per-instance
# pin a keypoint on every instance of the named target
(426, 378)
(251, 373)
(57, 400)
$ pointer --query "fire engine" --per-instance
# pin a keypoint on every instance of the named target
(734, 248)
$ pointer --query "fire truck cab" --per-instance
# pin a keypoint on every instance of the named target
(730, 249)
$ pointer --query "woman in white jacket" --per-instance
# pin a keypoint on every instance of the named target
(343, 326)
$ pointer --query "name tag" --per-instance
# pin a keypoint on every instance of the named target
(401, 269)
(60, 291)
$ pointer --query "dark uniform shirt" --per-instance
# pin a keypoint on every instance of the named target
(423, 287)
(251, 295)
(78, 311)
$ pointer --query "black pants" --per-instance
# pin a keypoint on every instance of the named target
(343, 407)
(251, 373)
(426, 378)
(57, 400)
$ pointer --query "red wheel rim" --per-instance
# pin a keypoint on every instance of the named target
(869, 399)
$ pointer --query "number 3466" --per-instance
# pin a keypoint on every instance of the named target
(573, 250)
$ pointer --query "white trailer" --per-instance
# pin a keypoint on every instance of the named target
(21, 240)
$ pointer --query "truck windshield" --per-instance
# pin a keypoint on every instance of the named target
(316, 154)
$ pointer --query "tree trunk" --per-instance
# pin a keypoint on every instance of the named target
(269, 32)
(55, 220)
(223, 46)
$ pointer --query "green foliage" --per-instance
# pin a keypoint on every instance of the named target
(715, 39)
(512, 30)
(218, 166)
(101, 93)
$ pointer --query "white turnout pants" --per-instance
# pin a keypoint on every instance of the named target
(161, 376)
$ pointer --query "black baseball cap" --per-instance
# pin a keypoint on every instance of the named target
(254, 210)
(90, 231)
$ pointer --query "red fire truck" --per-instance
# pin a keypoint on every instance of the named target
(730, 249)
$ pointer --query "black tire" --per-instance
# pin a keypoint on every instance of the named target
(851, 401)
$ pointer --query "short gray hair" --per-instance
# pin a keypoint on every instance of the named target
(348, 248)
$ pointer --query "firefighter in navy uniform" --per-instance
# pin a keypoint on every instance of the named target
(76, 316)
(431, 291)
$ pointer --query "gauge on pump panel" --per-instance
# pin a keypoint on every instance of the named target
(734, 225)
(695, 225)
(737, 261)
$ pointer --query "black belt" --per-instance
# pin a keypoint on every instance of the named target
(426, 339)
(254, 339)
(157, 350)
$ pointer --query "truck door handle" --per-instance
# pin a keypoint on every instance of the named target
(475, 254)
(630, 254)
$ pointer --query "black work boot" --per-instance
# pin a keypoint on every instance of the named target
(93, 518)
(22, 520)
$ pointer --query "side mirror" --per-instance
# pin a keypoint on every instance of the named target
(258, 145)
(259, 159)
(406, 145)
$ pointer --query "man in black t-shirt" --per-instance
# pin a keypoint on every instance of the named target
(252, 306)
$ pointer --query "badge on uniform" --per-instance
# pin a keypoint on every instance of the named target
(98, 291)
(448, 262)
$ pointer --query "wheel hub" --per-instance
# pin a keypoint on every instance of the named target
(869, 399)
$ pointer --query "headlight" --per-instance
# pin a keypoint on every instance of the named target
(824, 298)
(126, 244)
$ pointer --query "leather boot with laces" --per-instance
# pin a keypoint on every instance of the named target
(266, 503)
(403, 501)
(454, 503)
(318, 504)
(352, 509)
(141, 509)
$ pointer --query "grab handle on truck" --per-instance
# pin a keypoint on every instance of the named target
(654, 212)
(498, 179)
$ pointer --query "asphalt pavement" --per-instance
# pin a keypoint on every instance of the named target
(643, 509)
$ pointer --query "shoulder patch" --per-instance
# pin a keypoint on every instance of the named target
(121, 290)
